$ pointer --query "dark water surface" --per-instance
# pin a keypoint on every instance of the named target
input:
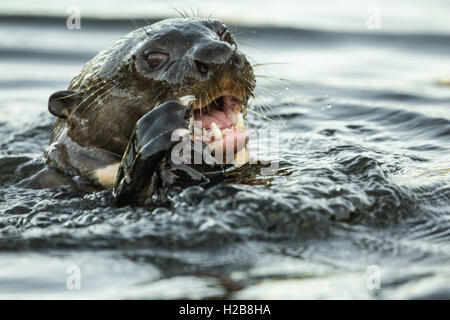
(364, 133)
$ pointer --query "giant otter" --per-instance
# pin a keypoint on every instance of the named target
(116, 122)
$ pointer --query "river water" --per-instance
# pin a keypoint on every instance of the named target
(362, 197)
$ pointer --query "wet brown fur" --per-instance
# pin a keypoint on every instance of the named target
(114, 95)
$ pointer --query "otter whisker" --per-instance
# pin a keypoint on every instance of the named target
(186, 14)
(94, 85)
(236, 33)
(179, 12)
(208, 109)
(252, 60)
(272, 78)
(251, 82)
(101, 96)
(69, 95)
(264, 107)
(262, 115)
(81, 91)
(268, 63)
(157, 98)
(267, 108)
(280, 81)
(211, 14)
(276, 114)
(241, 43)
(201, 103)
(87, 97)
(270, 91)
(192, 11)
(137, 26)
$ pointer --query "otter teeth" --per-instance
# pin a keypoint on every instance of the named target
(191, 124)
(186, 100)
(240, 121)
(216, 131)
(241, 157)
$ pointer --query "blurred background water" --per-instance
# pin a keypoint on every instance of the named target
(362, 106)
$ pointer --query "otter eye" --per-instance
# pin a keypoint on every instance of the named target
(225, 35)
(156, 59)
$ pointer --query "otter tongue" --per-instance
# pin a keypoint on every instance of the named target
(214, 115)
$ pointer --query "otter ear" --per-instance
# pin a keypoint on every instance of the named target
(61, 103)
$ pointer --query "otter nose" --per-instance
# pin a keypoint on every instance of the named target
(216, 53)
(238, 59)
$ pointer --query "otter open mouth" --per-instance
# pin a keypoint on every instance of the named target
(220, 124)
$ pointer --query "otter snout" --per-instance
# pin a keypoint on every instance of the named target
(213, 54)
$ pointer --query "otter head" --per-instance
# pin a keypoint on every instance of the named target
(169, 59)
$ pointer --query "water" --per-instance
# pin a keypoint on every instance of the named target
(364, 128)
